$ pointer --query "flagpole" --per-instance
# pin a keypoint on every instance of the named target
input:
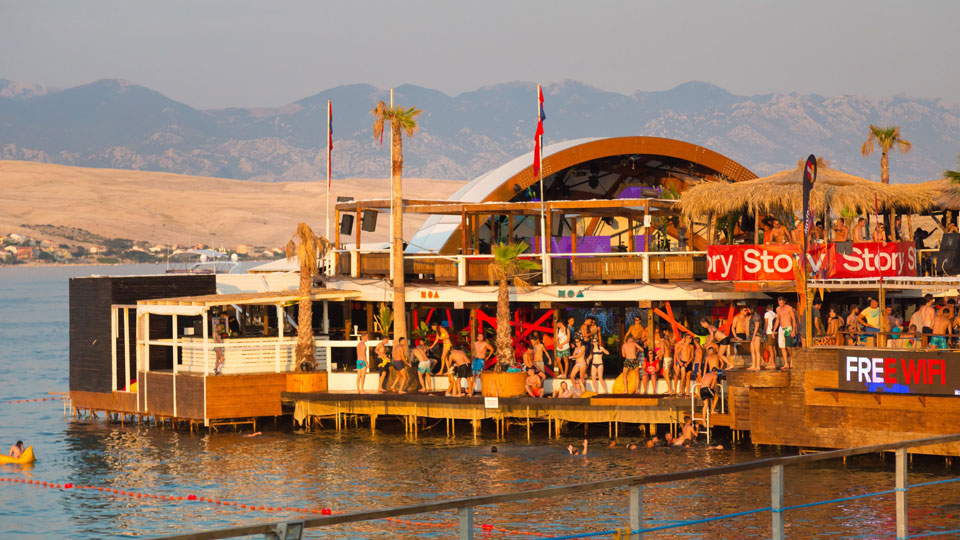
(544, 258)
(392, 209)
(329, 168)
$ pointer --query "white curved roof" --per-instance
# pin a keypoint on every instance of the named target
(435, 231)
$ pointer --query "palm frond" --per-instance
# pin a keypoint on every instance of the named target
(380, 115)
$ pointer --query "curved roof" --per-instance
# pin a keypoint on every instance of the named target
(498, 184)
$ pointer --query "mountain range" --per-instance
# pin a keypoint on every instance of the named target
(119, 124)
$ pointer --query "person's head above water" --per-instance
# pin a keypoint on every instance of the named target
(493, 449)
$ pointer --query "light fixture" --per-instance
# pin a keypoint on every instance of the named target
(517, 188)
(292, 530)
(594, 182)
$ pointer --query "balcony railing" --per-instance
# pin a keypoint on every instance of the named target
(566, 268)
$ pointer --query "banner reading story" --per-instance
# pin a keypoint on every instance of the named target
(774, 262)
(900, 372)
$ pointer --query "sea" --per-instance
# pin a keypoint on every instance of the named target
(166, 479)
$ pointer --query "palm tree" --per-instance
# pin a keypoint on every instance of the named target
(953, 176)
(401, 121)
(307, 247)
(887, 138)
(507, 266)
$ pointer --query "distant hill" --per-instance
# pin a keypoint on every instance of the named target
(118, 124)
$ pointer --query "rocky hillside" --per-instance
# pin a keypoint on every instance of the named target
(118, 124)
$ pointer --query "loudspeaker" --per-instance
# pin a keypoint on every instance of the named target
(369, 221)
(346, 224)
(948, 258)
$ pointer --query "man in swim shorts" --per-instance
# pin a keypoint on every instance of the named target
(461, 372)
(424, 367)
(785, 324)
(481, 353)
(384, 363)
(399, 364)
(361, 361)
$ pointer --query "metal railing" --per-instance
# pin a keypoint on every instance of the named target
(465, 505)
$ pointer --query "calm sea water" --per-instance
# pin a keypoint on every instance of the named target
(355, 470)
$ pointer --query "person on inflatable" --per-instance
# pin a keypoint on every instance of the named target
(16, 450)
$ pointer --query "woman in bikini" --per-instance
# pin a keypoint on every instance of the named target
(562, 335)
(579, 361)
(596, 367)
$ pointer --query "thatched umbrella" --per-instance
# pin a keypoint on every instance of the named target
(947, 193)
(783, 192)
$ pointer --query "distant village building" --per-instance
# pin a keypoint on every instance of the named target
(25, 253)
(15, 238)
(243, 249)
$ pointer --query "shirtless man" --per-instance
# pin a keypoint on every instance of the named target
(383, 365)
(16, 450)
(688, 434)
(778, 234)
(942, 328)
(534, 383)
(460, 372)
(786, 330)
(684, 357)
(741, 324)
(718, 340)
(482, 351)
(636, 330)
(667, 371)
(860, 232)
(441, 336)
(541, 358)
(399, 364)
(424, 367)
(362, 363)
(755, 333)
(708, 392)
(853, 323)
(796, 235)
(840, 230)
(630, 352)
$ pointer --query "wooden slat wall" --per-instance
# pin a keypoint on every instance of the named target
(159, 392)
(104, 401)
(244, 396)
(90, 301)
(797, 415)
(190, 396)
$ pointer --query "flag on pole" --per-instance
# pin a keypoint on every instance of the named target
(538, 137)
(329, 139)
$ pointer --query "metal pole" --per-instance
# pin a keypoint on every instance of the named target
(545, 269)
(392, 209)
(901, 492)
(465, 527)
(329, 169)
(636, 511)
(776, 501)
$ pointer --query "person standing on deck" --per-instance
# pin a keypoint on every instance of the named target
(541, 358)
(636, 330)
(770, 321)
(561, 333)
(460, 368)
(579, 362)
(399, 363)
(755, 330)
(684, 357)
(796, 235)
(870, 319)
(840, 230)
(778, 234)
(651, 366)
(482, 351)
(218, 332)
(853, 322)
(424, 368)
(927, 314)
(942, 328)
(666, 367)
(384, 363)
(860, 232)
(629, 350)
(786, 326)
(362, 363)
(441, 336)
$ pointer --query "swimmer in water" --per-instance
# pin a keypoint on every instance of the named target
(576, 451)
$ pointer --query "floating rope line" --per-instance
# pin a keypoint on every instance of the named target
(61, 398)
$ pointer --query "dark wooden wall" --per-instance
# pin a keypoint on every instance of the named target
(90, 301)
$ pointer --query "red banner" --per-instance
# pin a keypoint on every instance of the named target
(774, 262)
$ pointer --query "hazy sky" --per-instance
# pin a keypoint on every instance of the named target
(212, 53)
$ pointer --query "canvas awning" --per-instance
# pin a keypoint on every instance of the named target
(195, 305)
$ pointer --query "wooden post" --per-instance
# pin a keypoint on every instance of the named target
(510, 228)
(113, 347)
(631, 244)
(901, 492)
(463, 231)
(776, 501)
(493, 231)
(881, 299)
(280, 325)
(359, 228)
(636, 511)
(573, 238)
(475, 229)
(711, 229)
(176, 358)
(206, 342)
(690, 235)
(756, 227)
(126, 349)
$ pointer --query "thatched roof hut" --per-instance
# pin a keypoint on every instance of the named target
(834, 190)
(947, 194)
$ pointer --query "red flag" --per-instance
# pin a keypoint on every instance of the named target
(538, 136)
(329, 139)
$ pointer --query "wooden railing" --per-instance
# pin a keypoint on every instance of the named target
(567, 267)
(465, 505)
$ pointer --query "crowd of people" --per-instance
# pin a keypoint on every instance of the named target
(928, 326)
(774, 231)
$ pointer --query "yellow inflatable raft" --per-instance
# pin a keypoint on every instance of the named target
(25, 458)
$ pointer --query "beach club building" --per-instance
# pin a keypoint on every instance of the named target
(622, 228)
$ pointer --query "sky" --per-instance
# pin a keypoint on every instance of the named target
(216, 53)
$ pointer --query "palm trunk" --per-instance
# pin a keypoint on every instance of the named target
(305, 320)
(504, 340)
(399, 290)
(884, 168)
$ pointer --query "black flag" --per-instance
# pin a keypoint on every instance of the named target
(809, 177)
